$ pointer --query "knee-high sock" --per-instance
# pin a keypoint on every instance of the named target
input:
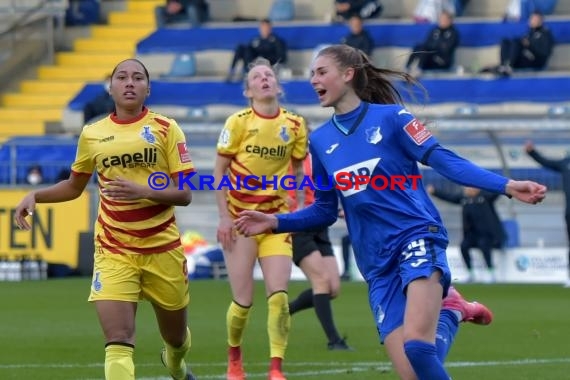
(424, 360)
(119, 361)
(174, 357)
(278, 323)
(445, 334)
(324, 313)
(236, 321)
(303, 301)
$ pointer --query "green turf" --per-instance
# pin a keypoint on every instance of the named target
(49, 331)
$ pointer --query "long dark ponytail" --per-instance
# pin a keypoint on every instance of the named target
(371, 84)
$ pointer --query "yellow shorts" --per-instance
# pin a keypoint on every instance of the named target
(274, 245)
(161, 278)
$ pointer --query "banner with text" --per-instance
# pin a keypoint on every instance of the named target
(55, 228)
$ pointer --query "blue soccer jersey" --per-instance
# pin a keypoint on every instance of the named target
(372, 155)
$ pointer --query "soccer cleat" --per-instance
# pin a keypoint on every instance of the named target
(470, 311)
(235, 370)
(189, 375)
(275, 374)
(339, 345)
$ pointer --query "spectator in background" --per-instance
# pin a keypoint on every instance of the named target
(267, 45)
(482, 227)
(437, 52)
(194, 11)
(345, 9)
(521, 10)
(35, 175)
(429, 11)
(531, 51)
(358, 37)
(102, 104)
(562, 166)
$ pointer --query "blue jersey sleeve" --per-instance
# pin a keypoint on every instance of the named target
(464, 172)
(322, 213)
(413, 136)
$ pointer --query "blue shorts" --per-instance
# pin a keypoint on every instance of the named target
(387, 293)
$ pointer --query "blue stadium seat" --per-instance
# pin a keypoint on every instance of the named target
(282, 10)
(84, 12)
(511, 227)
(184, 65)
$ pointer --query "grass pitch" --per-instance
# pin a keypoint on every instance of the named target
(48, 330)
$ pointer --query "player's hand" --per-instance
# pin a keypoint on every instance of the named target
(226, 234)
(529, 146)
(24, 209)
(430, 189)
(251, 223)
(123, 190)
(526, 191)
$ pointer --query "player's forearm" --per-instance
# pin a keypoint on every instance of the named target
(322, 213)
(170, 196)
(60, 192)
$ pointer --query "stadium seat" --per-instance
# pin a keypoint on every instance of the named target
(282, 10)
(83, 12)
(511, 227)
(184, 65)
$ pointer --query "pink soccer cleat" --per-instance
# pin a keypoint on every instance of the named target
(235, 370)
(235, 365)
(275, 374)
(473, 312)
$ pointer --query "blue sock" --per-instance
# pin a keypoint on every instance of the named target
(445, 333)
(424, 360)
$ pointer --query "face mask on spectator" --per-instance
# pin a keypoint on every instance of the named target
(34, 178)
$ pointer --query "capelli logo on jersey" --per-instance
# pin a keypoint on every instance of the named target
(145, 159)
(274, 153)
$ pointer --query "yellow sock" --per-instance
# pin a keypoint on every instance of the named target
(119, 363)
(278, 323)
(236, 321)
(174, 357)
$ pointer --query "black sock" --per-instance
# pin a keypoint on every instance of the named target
(324, 313)
(302, 302)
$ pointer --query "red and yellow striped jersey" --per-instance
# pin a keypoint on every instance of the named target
(133, 150)
(262, 147)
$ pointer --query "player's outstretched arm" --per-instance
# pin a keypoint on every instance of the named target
(63, 191)
(251, 223)
(526, 191)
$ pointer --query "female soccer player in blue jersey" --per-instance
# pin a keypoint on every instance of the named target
(138, 252)
(398, 236)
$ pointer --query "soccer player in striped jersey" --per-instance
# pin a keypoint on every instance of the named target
(397, 233)
(261, 140)
(138, 252)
